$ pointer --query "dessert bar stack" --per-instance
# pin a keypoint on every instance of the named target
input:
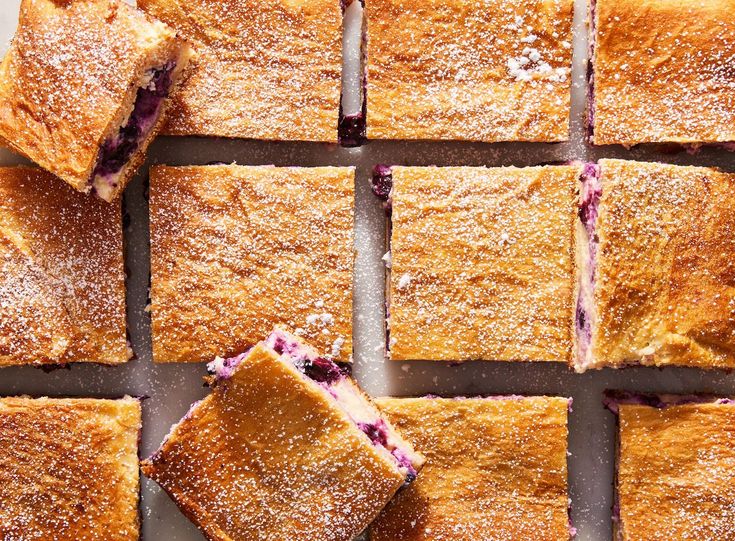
(582, 264)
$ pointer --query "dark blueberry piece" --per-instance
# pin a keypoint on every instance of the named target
(323, 370)
(279, 346)
(352, 131)
(581, 318)
(382, 181)
(375, 432)
(48, 368)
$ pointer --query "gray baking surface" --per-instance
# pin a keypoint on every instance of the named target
(172, 388)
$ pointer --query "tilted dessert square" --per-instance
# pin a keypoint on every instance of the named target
(286, 446)
(674, 476)
(661, 71)
(62, 278)
(236, 250)
(84, 87)
(655, 266)
(69, 469)
(490, 71)
(496, 468)
(481, 262)
(265, 70)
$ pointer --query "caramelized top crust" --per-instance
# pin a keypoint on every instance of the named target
(266, 70)
(496, 469)
(69, 77)
(247, 248)
(663, 71)
(69, 469)
(269, 455)
(676, 472)
(482, 263)
(62, 285)
(478, 70)
(663, 290)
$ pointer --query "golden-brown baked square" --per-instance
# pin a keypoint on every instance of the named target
(265, 70)
(62, 278)
(236, 250)
(662, 71)
(84, 87)
(663, 268)
(675, 474)
(496, 468)
(69, 469)
(491, 70)
(482, 263)
(285, 447)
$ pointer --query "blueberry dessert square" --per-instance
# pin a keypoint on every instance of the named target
(480, 262)
(662, 72)
(674, 467)
(84, 87)
(236, 250)
(62, 277)
(491, 70)
(321, 468)
(69, 469)
(655, 266)
(496, 468)
(265, 70)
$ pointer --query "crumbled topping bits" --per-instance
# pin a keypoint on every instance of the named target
(62, 285)
(69, 469)
(492, 466)
(241, 472)
(664, 266)
(249, 248)
(677, 88)
(676, 471)
(267, 70)
(70, 68)
(481, 263)
(467, 70)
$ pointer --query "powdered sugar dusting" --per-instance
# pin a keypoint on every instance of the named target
(492, 466)
(694, 459)
(70, 272)
(683, 315)
(677, 88)
(65, 464)
(490, 71)
(250, 248)
(266, 71)
(462, 242)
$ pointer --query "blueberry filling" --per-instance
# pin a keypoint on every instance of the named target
(378, 434)
(353, 128)
(325, 371)
(589, 203)
(117, 150)
(613, 399)
(383, 183)
(319, 369)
